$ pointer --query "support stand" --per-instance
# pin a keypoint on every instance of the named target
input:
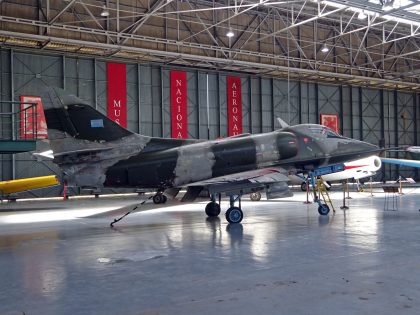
(344, 207)
(119, 219)
(400, 190)
(307, 193)
(65, 196)
(370, 183)
(348, 190)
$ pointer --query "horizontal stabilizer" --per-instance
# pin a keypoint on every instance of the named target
(81, 152)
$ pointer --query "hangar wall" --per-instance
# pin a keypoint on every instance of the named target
(364, 113)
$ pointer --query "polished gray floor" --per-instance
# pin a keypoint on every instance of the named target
(283, 259)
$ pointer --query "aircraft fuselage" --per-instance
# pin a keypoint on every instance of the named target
(293, 148)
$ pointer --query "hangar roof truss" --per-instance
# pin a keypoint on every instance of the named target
(273, 38)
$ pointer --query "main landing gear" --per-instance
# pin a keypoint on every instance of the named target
(159, 198)
(233, 214)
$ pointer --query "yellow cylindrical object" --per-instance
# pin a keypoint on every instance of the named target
(17, 185)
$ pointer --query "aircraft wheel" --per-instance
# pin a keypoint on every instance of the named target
(303, 186)
(212, 209)
(159, 198)
(255, 196)
(234, 215)
(323, 209)
(165, 199)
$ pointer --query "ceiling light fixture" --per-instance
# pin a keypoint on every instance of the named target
(387, 5)
(362, 15)
(324, 48)
(230, 33)
(105, 11)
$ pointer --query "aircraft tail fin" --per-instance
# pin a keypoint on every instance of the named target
(68, 116)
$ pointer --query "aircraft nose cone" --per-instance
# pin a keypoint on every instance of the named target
(352, 150)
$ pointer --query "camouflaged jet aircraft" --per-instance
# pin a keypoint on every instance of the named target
(94, 152)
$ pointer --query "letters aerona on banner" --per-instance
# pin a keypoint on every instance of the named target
(117, 93)
(179, 113)
(234, 102)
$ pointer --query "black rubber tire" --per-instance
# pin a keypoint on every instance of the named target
(157, 199)
(303, 186)
(164, 199)
(234, 215)
(255, 196)
(212, 209)
(323, 209)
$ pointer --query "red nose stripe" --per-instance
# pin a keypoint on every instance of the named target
(353, 166)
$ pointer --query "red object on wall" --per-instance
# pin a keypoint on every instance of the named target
(31, 127)
(179, 113)
(234, 103)
(330, 120)
(117, 93)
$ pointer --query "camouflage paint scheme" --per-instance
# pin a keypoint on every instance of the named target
(95, 152)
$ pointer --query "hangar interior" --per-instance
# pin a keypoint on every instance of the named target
(296, 60)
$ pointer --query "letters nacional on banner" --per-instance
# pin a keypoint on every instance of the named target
(179, 113)
(117, 93)
(32, 118)
(234, 102)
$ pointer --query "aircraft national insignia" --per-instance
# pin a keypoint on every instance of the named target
(97, 123)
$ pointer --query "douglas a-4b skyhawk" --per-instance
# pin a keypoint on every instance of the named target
(94, 152)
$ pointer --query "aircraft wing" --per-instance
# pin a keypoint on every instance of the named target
(401, 162)
(260, 176)
(273, 180)
(17, 185)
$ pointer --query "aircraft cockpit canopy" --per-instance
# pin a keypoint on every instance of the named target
(324, 132)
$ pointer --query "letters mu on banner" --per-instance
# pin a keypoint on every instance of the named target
(234, 102)
(32, 118)
(117, 93)
(179, 113)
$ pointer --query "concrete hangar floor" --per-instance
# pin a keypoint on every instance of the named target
(282, 259)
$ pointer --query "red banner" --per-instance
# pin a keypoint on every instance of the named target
(117, 93)
(179, 113)
(32, 118)
(234, 103)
